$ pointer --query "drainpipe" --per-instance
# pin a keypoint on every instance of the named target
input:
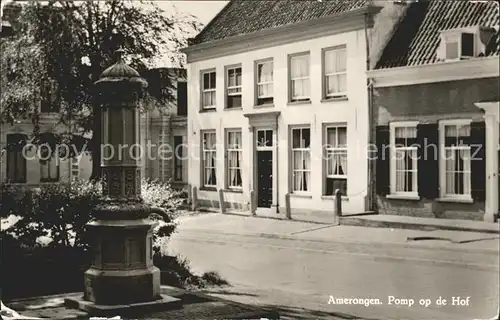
(277, 169)
(370, 120)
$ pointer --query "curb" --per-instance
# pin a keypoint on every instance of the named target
(360, 222)
(354, 221)
(403, 245)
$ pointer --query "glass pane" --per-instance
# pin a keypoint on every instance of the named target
(451, 50)
(342, 133)
(296, 138)
(212, 80)
(206, 81)
(331, 137)
(306, 138)
(341, 60)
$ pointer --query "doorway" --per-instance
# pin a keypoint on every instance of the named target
(265, 178)
(264, 164)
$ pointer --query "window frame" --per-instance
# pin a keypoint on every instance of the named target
(298, 99)
(257, 83)
(293, 170)
(327, 148)
(17, 152)
(48, 163)
(227, 88)
(324, 75)
(442, 161)
(392, 162)
(228, 150)
(203, 91)
(457, 35)
(203, 152)
(178, 163)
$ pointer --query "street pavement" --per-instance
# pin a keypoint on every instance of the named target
(304, 269)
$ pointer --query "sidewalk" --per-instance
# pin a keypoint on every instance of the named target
(374, 220)
(232, 224)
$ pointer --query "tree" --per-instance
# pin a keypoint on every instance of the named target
(60, 48)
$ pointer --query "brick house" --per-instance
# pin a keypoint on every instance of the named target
(279, 102)
(435, 106)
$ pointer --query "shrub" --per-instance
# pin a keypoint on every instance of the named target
(44, 236)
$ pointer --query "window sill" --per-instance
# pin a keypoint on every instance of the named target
(344, 198)
(403, 197)
(233, 190)
(334, 99)
(301, 195)
(296, 103)
(268, 105)
(455, 200)
(208, 189)
(208, 110)
(235, 108)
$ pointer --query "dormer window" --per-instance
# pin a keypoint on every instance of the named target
(459, 45)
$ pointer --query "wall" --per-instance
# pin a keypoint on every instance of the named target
(352, 111)
(432, 101)
(429, 103)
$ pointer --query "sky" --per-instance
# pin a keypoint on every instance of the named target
(204, 10)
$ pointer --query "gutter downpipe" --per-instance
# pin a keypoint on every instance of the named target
(370, 116)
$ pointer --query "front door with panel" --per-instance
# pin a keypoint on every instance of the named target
(264, 168)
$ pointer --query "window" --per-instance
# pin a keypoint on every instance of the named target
(178, 158)
(209, 159)
(458, 45)
(301, 159)
(49, 97)
(16, 162)
(208, 90)
(233, 99)
(49, 165)
(404, 159)
(299, 78)
(234, 157)
(455, 165)
(163, 155)
(265, 82)
(336, 159)
(335, 69)
(182, 106)
(264, 139)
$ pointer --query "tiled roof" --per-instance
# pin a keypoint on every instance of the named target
(417, 37)
(241, 17)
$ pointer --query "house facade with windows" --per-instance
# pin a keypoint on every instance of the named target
(163, 139)
(279, 103)
(436, 110)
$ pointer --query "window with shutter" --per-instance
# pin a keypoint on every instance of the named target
(403, 163)
(455, 160)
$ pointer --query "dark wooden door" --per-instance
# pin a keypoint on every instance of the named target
(265, 178)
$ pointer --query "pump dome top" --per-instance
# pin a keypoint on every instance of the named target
(120, 71)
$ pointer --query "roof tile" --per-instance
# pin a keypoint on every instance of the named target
(241, 17)
(417, 37)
